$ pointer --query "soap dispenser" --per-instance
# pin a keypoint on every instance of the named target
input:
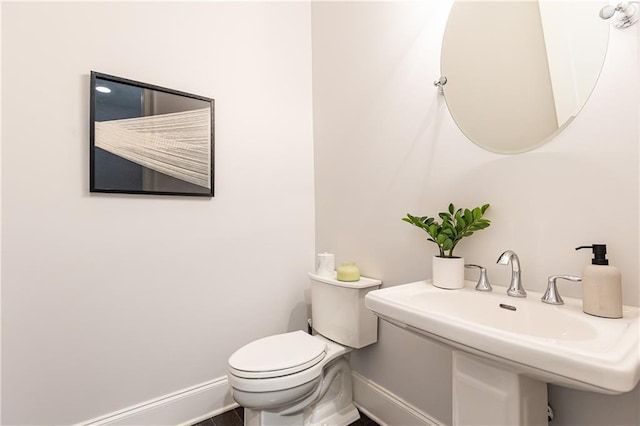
(601, 285)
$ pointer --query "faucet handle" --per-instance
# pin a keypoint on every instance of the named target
(483, 281)
(551, 296)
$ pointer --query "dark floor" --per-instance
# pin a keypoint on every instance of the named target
(236, 418)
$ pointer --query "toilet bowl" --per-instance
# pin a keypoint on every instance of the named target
(301, 379)
(297, 371)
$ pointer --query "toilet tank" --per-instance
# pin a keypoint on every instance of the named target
(338, 311)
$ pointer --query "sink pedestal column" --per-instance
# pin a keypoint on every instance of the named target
(485, 394)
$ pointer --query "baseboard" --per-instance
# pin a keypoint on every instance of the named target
(192, 405)
(384, 407)
(183, 408)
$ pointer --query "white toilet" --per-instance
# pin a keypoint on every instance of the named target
(299, 379)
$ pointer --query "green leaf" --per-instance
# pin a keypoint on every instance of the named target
(468, 216)
(456, 224)
(477, 213)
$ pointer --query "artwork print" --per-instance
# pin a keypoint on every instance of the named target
(147, 139)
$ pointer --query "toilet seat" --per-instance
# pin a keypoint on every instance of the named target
(277, 356)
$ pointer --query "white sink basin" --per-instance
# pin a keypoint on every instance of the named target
(555, 344)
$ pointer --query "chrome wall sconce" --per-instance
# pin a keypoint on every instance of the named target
(624, 14)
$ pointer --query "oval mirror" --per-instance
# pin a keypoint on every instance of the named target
(518, 72)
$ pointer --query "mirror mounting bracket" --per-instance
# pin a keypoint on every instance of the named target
(439, 83)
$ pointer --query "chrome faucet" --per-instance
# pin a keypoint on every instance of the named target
(515, 287)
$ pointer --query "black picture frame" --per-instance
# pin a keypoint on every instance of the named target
(147, 139)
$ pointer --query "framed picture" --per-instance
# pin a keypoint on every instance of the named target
(147, 139)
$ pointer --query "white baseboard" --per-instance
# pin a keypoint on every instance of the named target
(384, 407)
(183, 408)
(192, 405)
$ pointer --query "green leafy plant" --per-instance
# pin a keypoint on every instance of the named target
(456, 224)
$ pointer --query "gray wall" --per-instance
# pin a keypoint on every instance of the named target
(386, 145)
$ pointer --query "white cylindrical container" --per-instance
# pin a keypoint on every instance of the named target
(325, 264)
(448, 272)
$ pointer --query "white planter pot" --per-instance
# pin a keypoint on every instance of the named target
(448, 272)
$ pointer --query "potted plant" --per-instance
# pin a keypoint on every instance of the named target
(448, 270)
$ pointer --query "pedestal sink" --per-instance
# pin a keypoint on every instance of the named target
(506, 349)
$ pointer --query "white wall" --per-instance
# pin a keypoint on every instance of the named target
(386, 145)
(111, 300)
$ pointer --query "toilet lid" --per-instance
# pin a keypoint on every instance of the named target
(278, 355)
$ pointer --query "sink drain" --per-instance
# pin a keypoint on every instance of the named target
(509, 307)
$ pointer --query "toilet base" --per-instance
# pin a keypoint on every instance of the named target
(333, 406)
(343, 417)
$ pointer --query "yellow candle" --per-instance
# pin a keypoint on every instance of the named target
(348, 271)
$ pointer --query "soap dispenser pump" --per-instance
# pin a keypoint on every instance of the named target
(601, 285)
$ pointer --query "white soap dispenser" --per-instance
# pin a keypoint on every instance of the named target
(601, 285)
